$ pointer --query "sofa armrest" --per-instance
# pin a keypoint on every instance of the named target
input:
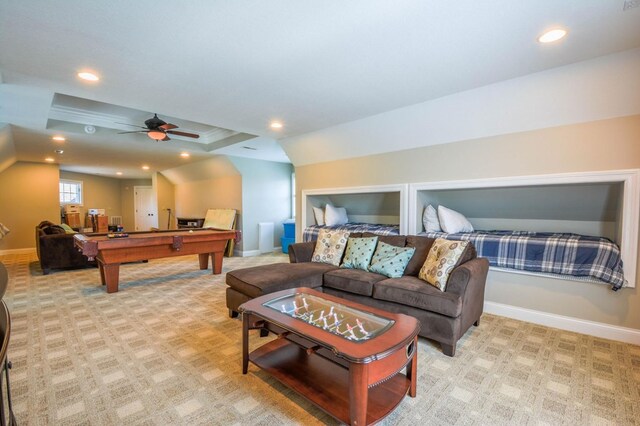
(301, 252)
(470, 274)
(468, 281)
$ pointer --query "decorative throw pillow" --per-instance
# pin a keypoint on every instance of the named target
(319, 215)
(442, 258)
(330, 246)
(335, 215)
(430, 219)
(67, 228)
(390, 261)
(359, 253)
(453, 222)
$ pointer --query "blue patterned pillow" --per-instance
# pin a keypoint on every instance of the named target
(359, 253)
(391, 261)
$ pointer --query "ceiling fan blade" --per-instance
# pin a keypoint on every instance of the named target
(127, 124)
(166, 138)
(168, 126)
(185, 134)
(134, 131)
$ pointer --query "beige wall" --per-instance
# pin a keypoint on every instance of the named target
(127, 201)
(193, 199)
(165, 196)
(98, 192)
(28, 195)
(599, 145)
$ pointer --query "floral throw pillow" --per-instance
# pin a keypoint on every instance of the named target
(391, 261)
(330, 246)
(359, 253)
(442, 258)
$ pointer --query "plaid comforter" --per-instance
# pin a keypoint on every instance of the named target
(546, 252)
(311, 232)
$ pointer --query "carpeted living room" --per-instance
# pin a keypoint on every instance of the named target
(285, 212)
(164, 351)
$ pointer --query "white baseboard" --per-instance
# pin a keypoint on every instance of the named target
(250, 253)
(28, 250)
(247, 253)
(592, 328)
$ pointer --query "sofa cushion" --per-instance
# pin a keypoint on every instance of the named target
(443, 256)
(359, 253)
(330, 246)
(266, 279)
(390, 260)
(414, 292)
(394, 240)
(422, 246)
(352, 280)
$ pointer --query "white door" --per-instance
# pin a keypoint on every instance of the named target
(146, 214)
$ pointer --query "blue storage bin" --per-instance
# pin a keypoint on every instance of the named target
(289, 229)
(285, 243)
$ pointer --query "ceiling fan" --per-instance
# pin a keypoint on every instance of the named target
(159, 130)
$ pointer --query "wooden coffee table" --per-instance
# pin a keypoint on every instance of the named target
(344, 357)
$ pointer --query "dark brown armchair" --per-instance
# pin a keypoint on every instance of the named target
(56, 249)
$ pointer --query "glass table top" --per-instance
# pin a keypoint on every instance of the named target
(348, 323)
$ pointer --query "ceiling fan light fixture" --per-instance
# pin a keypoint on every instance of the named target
(156, 135)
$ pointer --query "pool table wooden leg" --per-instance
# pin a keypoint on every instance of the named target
(203, 258)
(111, 274)
(216, 260)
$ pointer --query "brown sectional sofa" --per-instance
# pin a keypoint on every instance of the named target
(444, 316)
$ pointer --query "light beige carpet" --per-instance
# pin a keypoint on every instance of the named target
(163, 351)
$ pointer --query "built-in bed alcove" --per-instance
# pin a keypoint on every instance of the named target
(377, 206)
(594, 204)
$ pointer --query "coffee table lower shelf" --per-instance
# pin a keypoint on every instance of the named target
(324, 382)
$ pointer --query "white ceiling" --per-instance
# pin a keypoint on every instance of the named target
(240, 64)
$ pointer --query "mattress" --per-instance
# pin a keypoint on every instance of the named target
(311, 232)
(548, 253)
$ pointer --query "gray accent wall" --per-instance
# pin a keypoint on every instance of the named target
(266, 197)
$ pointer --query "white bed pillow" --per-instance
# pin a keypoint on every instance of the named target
(319, 214)
(335, 215)
(430, 219)
(453, 222)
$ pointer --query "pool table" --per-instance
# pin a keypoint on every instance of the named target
(110, 252)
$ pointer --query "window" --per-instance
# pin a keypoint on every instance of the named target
(70, 192)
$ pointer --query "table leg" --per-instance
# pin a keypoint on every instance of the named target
(216, 261)
(358, 393)
(245, 343)
(101, 268)
(111, 273)
(412, 369)
(203, 258)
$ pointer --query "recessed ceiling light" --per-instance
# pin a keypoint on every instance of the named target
(59, 138)
(552, 35)
(88, 76)
(275, 125)
(49, 160)
(184, 155)
(119, 173)
(145, 167)
(59, 151)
